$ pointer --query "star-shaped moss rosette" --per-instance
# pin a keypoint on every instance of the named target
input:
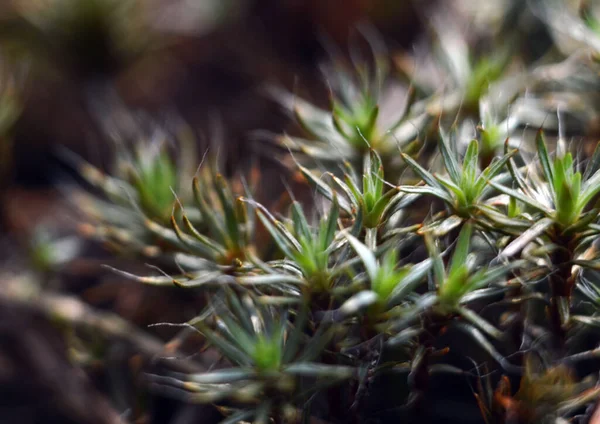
(138, 186)
(463, 188)
(368, 110)
(393, 309)
(366, 197)
(454, 73)
(270, 357)
(558, 196)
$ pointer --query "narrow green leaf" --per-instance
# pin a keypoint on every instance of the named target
(351, 194)
(493, 170)
(460, 195)
(512, 169)
(226, 348)
(324, 189)
(374, 217)
(421, 172)
(231, 221)
(376, 172)
(545, 158)
(410, 281)
(449, 158)
(237, 336)
(201, 237)
(485, 277)
(284, 242)
(240, 311)
(439, 272)
(367, 257)
(499, 218)
(301, 226)
(590, 189)
(461, 251)
(331, 225)
(162, 280)
(192, 244)
(404, 336)
(440, 229)
(519, 196)
(434, 191)
(208, 213)
(470, 166)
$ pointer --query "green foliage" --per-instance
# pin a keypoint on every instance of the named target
(355, 122)
(495, 246)
(465, 189)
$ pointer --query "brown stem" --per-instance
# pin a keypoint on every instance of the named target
(419, 377)
(561, 283)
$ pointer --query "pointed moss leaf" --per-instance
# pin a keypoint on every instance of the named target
(493, 170)
(519, 196)
(324, 189)
(449, 158)
(224, 376)
(459, 258)
(231, 221)
(458, 192)
(358, 302)
(481, 340)
(470, 166)
(421, 172)
(524, 239)
(434, 191)
(410, 281)
(352, 194)
(269, 279)
(590, 188)
(195, 246)
(226, 348)
(373, 218)
(545, 158)
(331, 225)
(207, 212)
(447, 225)
(480, 323)
(439, 272)
(284, 242)
(301, 226)
(365, 254)
(487, 276)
